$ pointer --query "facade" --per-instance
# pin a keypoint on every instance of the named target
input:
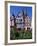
(21, 20)
(27, 22)
(11, 21)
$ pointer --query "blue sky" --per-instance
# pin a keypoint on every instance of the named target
(16, 9)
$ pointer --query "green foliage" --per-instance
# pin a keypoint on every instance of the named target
(20, 35)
